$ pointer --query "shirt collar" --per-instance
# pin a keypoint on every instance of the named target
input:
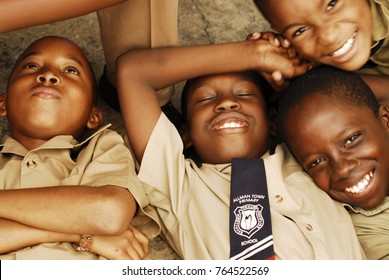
(11, 146)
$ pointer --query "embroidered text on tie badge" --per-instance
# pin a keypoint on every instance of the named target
(250, 225)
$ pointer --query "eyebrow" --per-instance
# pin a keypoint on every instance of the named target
(321, 4)
(70, 57)
(289, 27)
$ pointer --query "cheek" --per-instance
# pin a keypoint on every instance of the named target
(322, 180)
(305, 47)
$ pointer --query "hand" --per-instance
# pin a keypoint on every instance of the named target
(295, 66)
(131, 245)
(276, 39)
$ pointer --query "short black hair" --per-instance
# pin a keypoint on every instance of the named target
(262, 5)
(340, 85)
(262, 84)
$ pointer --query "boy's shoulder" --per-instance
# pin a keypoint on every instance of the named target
(102, 140)
(283, 159)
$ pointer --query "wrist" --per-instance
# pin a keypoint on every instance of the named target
(85, 244)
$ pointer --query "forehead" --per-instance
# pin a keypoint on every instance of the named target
(52, 47)
(283, 13)
(225, 80)
(318, 112)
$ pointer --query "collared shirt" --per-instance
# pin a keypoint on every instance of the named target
(193, 204)
(101, 159)
(379, 61)
(372, 228)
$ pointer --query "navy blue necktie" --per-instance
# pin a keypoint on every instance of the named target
(250, 225)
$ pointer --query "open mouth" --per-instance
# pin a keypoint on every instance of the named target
(360, 186)
(345, 48)
(229, 124)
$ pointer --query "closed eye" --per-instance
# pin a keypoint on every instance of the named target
(206, 99)
(244, 94)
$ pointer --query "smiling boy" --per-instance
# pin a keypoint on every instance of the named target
(338, 132)
(347, 34)
(225, 114)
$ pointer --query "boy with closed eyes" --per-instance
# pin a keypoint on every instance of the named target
(225, 117)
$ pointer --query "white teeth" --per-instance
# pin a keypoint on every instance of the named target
(361, 185)
(345, 48)
(230, 125)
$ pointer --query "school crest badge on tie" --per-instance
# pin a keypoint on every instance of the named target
(250, 225)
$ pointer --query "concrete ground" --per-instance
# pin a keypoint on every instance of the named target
(199, 22)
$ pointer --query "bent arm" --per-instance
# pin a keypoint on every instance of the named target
(105, 210)
(15, 236)
(131, 244)
(16, 14)
(142, 72)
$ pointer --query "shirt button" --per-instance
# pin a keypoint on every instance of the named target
(279, 198)
(31, 164)
(309, 227)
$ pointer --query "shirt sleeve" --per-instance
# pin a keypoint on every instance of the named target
(164, 171)
(107, 161)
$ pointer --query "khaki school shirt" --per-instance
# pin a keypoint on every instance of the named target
(372, 228)
(380, 14)
(193, 204)
(100, 159)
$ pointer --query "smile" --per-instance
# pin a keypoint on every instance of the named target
(361, 186)
(229, 124)
(345, 48)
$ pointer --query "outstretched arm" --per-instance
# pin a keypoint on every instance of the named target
(14, 236)
(16, 14)
(142, 72)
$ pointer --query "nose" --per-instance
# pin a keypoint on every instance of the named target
(343, 168)
(227, 104)
(48, 77)
(327, 34)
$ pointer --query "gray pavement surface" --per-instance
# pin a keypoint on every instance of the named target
(199, 22)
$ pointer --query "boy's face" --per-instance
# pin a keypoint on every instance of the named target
(50, 91)
(227, 118)
(344, 148)
(332, 32)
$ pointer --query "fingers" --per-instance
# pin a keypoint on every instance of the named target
(130, 245)
(271, 37)
(253, 36)
(302, 68)
(142, 244)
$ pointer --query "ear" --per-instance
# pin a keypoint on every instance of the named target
(273, 123)
(185, 137)
(3, 110)
(384, 115)
(95, 118)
